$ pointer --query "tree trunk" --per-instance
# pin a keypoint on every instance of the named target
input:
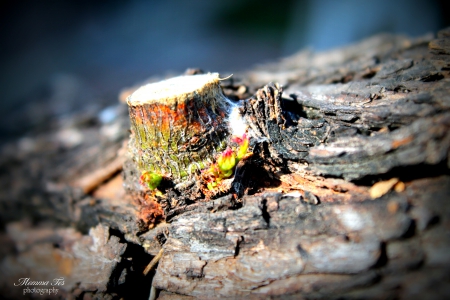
(346, 194)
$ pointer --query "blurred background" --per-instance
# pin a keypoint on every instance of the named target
(59, 57)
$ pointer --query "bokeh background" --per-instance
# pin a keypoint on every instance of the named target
(60, 57)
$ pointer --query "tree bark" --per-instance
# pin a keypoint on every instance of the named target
(346, 194)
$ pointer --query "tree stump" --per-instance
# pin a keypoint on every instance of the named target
(346, 194)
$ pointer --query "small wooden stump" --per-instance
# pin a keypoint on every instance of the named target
(178, 125)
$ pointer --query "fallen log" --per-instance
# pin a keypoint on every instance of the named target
(345, 196)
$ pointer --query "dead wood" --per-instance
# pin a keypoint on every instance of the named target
(304, 217)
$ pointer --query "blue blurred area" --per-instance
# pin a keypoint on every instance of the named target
(103, 46)
(329, 23)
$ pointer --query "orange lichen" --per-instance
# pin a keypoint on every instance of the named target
(402, 142)
(382, 187)
(151, 213)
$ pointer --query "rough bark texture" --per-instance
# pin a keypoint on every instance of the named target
(347, 194)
